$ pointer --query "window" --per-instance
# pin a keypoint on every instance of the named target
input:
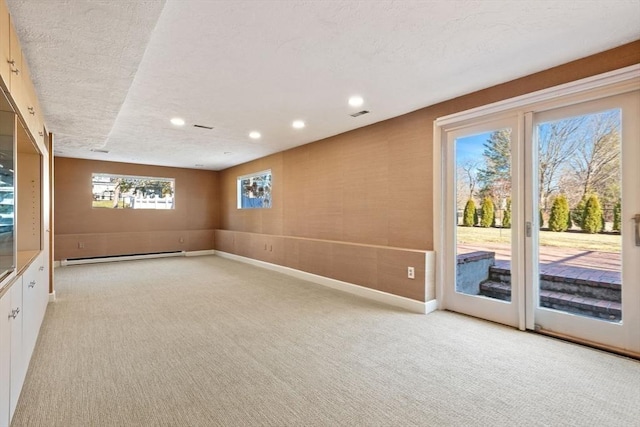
(132, 192)
(254, 191)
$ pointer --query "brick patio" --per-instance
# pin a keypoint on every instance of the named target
(593, 266)
(553, 270)
(577, 281)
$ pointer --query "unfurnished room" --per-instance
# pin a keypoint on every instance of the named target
(319, 213)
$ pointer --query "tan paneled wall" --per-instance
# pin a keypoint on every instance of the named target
(370, 186)
(267, 221)
(373, 185)
(101, 232)
(366, 186)
(375, 267)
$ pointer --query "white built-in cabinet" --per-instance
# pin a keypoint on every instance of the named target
(25, 262)
(18, 362)
(6, 323)
(23, 308)
(35, 297)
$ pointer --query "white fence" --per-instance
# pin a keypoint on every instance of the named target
(152, 203)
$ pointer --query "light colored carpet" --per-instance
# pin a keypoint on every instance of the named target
(206, 341)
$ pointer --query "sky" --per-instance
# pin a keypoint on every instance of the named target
(471, 147)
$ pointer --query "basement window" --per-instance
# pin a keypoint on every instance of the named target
(132, 192)
(254, 191)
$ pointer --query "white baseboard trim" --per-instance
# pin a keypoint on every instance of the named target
(52, 296)
(431, 306)
(372, 294)
(200, 253)
(66, 262)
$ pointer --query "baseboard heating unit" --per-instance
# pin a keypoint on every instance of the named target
(114, 258)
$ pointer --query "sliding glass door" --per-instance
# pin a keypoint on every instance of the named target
(483, 196)
(585, 177)
(541, 218)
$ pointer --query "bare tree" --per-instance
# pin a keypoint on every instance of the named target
(470, 171)
(596, 165)
(557, 143)
(467, 175)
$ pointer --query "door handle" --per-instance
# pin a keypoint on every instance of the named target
(636, 218)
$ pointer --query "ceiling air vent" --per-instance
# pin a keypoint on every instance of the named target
(203, 127)
(99, 150)
(359, 113)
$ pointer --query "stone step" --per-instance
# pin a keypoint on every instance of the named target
(496, 290)
(588, 284)
(499, 274)
(592, 307)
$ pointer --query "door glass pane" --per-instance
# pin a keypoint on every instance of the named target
(580, 204)
(483, 209)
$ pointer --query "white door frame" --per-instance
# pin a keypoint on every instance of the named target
(610, 334)
(505, 312)
(612, 83)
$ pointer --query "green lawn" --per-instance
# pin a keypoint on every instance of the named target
(576, 240)
(106, 204)
(102, 203)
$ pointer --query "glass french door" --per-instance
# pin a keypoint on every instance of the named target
(483, 196)
(540, 220)
(584, 268)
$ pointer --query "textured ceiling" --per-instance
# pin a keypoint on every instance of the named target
(110, 74)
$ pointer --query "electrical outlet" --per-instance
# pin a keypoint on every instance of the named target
(411, 273)
(181, 240)
(80, 245)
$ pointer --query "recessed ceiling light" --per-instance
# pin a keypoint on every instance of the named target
(254, 135)
(227, 153)
(177, 121)
(356, 101)
(199, 165)
(298, 124)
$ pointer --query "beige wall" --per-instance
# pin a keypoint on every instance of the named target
(367, 186)
(338, 200)
(335, 200)
(373, 185)
(103, 232)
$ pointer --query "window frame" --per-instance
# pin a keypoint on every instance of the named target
(165, 203)
(239, 196)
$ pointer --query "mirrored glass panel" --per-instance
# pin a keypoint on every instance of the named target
(7, 192)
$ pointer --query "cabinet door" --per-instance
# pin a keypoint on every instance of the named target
(16, 73)
(31, 315)
(32, 114)
(43, 288)
(35, 299)
(37, 123)
(5, 357)
(5, 46)
(18, 368)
